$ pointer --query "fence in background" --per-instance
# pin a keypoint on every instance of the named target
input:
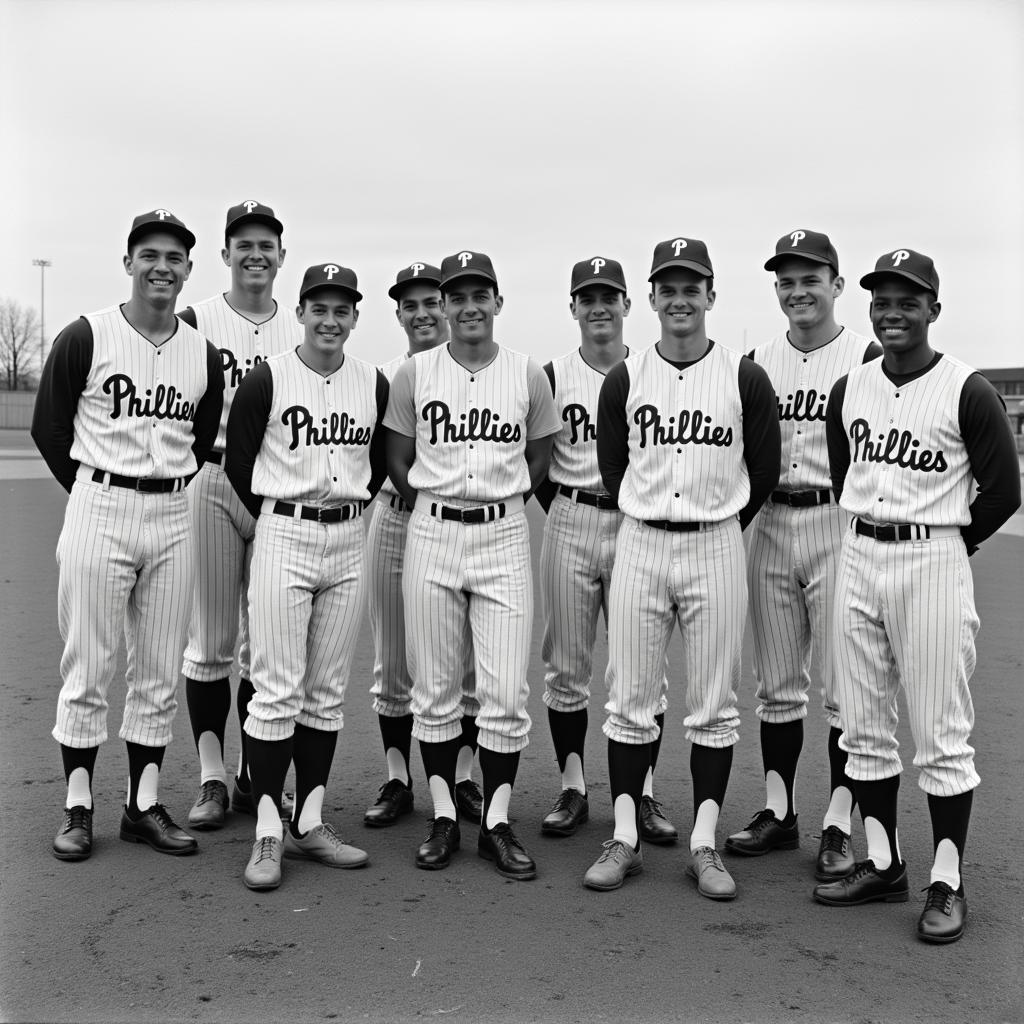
(16, 409)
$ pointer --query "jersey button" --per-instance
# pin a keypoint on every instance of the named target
(677, 494)
(471, 447)
(472, 380)
(881, 499)
(679, 451)
(470, 476)
(794, 465)
(897, 394)
(680, 376)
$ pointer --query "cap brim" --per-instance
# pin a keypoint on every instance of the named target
(482, 274)
(617, 285)
(324, 286)
(868, 281)
(254, 218)
(154, 229)
(395, 291)
(700, 268)
(810, 257)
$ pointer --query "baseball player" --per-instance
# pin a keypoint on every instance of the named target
(910, 438)
(304, 454)
(792, 552)
(246, 326)
(470, 428)
(688, 444)
(127, 409)
(417, 296)
(579, 544)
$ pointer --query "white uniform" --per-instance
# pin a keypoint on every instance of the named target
(471, 429)
(793, 550)
(385, 548)
(305, 588)
(125, 555)
(222, 525)
(905, 609)
(579, 541)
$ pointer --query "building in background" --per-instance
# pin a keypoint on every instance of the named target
(1009, 382)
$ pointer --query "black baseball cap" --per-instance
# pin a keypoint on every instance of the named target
(597, 270)
(329, 275)
(807, 245)
(467, 264)
(689, 253)
(415, 273)
(251, 211)
(160, 220)
(904, 263)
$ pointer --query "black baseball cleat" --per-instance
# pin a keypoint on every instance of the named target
(944, 914)
(155, 828)
(654, 826)
(865, 884)
(436, 850)
(764, 834)
(469, 800)
(835, 855)
(511, 859)
(393, 800)
(571, 810)
(74, 840)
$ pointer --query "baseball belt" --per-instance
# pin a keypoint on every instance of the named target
(478, 514)
(672, 527)
(397, 504)
(902, 531)
(217, 458)
(581, 497)
(802, 499)
(146, 485)
(315, 514)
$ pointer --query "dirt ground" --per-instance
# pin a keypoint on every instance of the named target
(131, 935)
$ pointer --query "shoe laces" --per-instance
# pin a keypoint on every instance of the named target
(709, 858)
(266, 849)
(651, 804)
(390, 790)
(160, 815)
(439, 828)
(209, 792)
(614, 849)
(76, 817)
(864, 867)
(940, 897)
(566, 799)
(833, 840)
(327, 831)
(502, 833)
(761, 820)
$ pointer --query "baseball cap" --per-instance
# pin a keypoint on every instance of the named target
(251, 211)
(597, 270)
(415, 273)
(807, 245)
(467, 264)
(690, 253)
(904, 263)
(160, 220)
(329, 275)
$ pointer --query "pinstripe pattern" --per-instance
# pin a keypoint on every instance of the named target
(389, 369)
(659, 579)
(574, 454)
(135, 415)
(905, 616)
(126, 563)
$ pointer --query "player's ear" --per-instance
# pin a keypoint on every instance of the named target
(355, 318)
(934, 309)
(298, 313)
(711, 298)
(626, 304)
(225, 255)
(650, 299)
(499, 301)
(398, 315)
(838, 284)
(128, 263)
(188, 268)
(280, 256)
(572, 308)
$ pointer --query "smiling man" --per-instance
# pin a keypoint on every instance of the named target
(127, 409)
(246, 326)
(304, 455)
(922, 456)
(469, 433)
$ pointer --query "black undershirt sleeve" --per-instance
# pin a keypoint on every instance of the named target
(61, 385)
(613, 429)
(188, 315)
(762, 436)
(873, 351)
(546, 490)
(992, 452)
(247, 423)
(207, 418)
(378, 460)
(835, 438)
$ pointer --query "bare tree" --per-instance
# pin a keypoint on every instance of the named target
(19, 344)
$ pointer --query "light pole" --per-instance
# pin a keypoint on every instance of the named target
(42, 265)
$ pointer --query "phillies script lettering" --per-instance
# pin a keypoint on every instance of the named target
(233, 373)
(160, 403)
(579, 423)
(897, 448)
(338, 428)
(476, 425)
(804, 406)
(693, 427)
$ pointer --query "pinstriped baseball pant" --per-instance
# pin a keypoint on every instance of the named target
(305, 608)
(905, 615)
(576, 562)
(392, 684)
(126, 563)
(791, 573)
(223, 529)
(699, 580)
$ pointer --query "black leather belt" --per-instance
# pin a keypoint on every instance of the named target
(217, 458)
(397, 504)
(588, 497)
(133, 483)
(671, 527)
(802, 499)
(903, 531)
(480, 514)
(319, 515)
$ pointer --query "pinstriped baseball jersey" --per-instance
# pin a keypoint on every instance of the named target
(135, 414)
(574, 455)
(803, 382)
(327, 422)
(685, 439)
(242, 344)
(908, 462)
(471, 426)
(389, 370)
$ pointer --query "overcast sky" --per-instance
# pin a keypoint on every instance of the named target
(540, 133)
